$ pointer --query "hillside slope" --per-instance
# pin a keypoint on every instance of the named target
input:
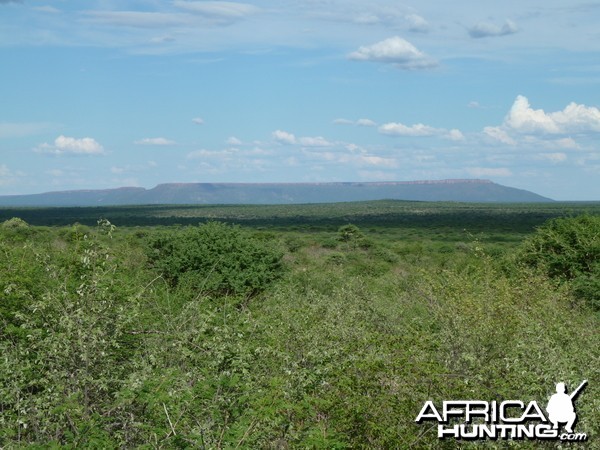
(282, 193)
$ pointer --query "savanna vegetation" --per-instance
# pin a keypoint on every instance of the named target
(327, 326)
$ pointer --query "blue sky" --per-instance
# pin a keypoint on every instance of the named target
(102, 94)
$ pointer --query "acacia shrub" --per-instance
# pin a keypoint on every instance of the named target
(215, 258)
(568, 249)
(66, 319)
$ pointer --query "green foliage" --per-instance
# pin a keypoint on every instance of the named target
(112, 338)
(216, 258)
(14, 223)
(568, 249)
(16, 229)
(66, 312)
(349, 233)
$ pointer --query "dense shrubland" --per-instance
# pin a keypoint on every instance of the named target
(197, 337)
(215, 258)
(568, 249)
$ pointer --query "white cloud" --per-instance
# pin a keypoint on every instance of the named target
(159, 141)
(64, 145)
(353, 148)
(567, 143)
(393, 16)
(574, 118)
(396, 51)
(358, 123)
(232, 140)
(473, 104)
(417, 24)
(455, 135)
(398, 129)
(372, 160)
(487, 29)
(553, 157)
(552, 143)
(283, 137)
(489, 172)
(198, 120)
(499, 134)
(343, 122)
(537, 128)
(365, 123)
(222, 12)
(315, 142)
(204, 154)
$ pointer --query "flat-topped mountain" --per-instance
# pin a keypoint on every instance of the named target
(282, 193)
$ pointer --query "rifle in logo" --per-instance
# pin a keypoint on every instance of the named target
(560, 406)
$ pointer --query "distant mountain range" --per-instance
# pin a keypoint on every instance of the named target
(282, 193)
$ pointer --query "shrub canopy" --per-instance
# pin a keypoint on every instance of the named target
(568, 249)
(216, 258)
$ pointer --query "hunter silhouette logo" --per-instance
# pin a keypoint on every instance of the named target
(560, 407)
(510, 419)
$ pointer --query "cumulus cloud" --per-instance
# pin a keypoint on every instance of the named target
(398, 129)
(159, 141)
(396, 51)
(315, 142)
(574, 118)
(455, 135)
(232, 140)
(198, 120)
(536, 128)
(500, 135)
(417, 24)
(487, 29)
(365, 123)
(343, 122)
(283, 137)
(64, 145)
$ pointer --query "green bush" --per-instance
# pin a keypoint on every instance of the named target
(14, 223)
(568, 249)
(349, 233)
(215, 258)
